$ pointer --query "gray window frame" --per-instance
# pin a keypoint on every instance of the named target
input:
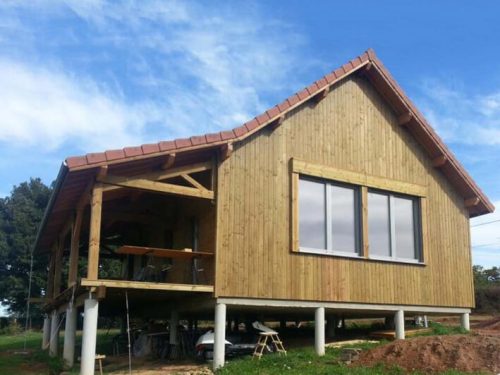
(417, 228)
(357, 253)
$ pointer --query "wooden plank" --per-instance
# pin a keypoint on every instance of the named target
(193, 182)
(336, 174)
(124, 284)
(163, 253)
(364, 222)
(50, 276)
(294, 212)
(95, 232)
(75, 247)
(439, 161)
(155, 186)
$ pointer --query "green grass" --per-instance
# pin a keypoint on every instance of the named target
(298, 361)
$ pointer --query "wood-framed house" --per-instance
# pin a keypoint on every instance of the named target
(340, 201)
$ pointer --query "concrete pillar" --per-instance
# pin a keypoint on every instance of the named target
(174, 322)
(426, 322)
(319, 331)
(399, 321)
(464, 321)
(220, 335)
(69, 337)
(46, 333)
(54, 334)
(89, 339)
(331, 323)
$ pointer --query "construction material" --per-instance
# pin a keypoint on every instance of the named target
(163, 253)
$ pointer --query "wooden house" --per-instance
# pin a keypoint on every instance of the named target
(339, 201)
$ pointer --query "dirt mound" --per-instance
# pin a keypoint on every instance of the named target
(491, 324)
(438, 353)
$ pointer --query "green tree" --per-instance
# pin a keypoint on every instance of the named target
(20, 217)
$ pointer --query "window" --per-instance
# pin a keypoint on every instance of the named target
(328, 217)
(393, 229)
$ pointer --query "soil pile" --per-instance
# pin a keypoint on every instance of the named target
(469, 353)
(491, 324)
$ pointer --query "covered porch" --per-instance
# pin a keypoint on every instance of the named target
(141, 232)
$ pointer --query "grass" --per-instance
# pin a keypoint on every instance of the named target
(298, 361)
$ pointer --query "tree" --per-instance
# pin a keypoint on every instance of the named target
(20, 216)
(487, 289)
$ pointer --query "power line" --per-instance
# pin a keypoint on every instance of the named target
(487, 222)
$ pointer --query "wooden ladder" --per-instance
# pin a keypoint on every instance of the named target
(262, 343)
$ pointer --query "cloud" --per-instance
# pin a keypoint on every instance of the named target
(145, 71)
(48, 108)
(485, 238)
(459, 116)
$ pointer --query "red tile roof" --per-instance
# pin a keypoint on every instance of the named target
(375, 71)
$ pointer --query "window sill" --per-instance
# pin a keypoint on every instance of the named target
(359, 257)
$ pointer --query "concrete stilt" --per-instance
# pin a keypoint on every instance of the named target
(331, 323)
(46, 333)
(220, 335)
(399, 321)
(173, 324)
(90, 315)
(54, 334)
(464, 321)
(69, 337)
(319, 331)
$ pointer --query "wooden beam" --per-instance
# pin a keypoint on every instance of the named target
(471, 202)
(322, 95)
(95, 232)
(102, 172)
(276, 123)
(405, 118)
(164, 175)
(163, 253)
(58, 267)
(169, 162)
(439, 161)
(50, 276)
(125, 284)
(226, 151)
(155, 186)
(75, 247)
(350, 177)
(193, 182)
(294, 212)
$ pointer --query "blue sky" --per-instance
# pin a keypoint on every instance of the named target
(83, 76)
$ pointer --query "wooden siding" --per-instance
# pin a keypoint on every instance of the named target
(351, 129)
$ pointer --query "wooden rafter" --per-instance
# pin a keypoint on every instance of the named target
(169, 162)
(405, 118)
(226, 151)
(193, 182)
(471, 202)
(155, 186)
(439, 161)
(162, 175)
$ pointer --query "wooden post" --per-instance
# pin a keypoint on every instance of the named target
(50, 276)
(58, 266)
(364, 222)
(75, 244)
(95, 232)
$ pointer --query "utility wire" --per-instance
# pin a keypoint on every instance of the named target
(487, 222)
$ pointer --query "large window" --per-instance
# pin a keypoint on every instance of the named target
(329, 219)
(393, 226)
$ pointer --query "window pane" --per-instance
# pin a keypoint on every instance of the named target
(343, 220)
(378, 224)
(404, 228)
(312, 214)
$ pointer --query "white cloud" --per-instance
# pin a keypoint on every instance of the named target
(461, 117)
(191, 69)
(485, 238)
(47, 108)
